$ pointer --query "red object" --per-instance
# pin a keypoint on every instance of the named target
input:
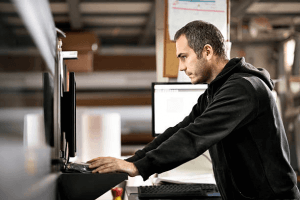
(117, 191)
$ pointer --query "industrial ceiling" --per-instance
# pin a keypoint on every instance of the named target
(130, 24)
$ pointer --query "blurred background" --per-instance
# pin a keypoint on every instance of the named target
(117, 43)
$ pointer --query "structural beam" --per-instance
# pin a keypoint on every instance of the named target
(74, 13)
(7, 36)
(239, 10)
(124, 63)
(150, 27)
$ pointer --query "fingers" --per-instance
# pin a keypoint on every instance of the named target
(94, 159)
(105, 168)
(101, 161)
(91, 160)
(105, 165)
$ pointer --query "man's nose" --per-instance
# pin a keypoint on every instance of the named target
(182, 67)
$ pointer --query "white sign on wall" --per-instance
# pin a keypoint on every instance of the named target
(182, 12)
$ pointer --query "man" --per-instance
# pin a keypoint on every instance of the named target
(236, 119)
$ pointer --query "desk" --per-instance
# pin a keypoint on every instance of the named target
(78, 186)
(132, 193)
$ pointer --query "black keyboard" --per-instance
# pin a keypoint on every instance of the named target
(77, 168)
(179, 191)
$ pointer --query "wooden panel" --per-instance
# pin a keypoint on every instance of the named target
(136, 138)
(82, 99)
(170, 59)
(121, 99)
(79, 41)
(124, 63)
(100, 63)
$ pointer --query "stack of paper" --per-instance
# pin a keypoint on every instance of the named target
(198, 179)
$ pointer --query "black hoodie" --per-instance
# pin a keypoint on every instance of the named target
(237, 120)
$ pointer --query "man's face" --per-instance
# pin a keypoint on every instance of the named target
(198, 69)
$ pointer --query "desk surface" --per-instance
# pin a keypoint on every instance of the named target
(78, 186)
(132, 193)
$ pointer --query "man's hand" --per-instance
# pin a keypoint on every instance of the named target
(110, 164)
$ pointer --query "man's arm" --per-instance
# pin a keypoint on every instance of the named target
(196, 111)
(109, 164)
(235, 105)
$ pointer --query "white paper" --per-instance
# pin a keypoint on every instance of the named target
(183, 11)
(196, 179)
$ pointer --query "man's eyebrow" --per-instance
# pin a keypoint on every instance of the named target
(179, 55)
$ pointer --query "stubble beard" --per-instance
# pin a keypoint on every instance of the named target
(203, 74)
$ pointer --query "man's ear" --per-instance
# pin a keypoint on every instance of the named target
(208, 51)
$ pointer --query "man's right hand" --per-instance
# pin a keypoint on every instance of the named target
(110, 164)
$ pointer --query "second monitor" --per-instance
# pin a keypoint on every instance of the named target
(68, 117)
(171, 102)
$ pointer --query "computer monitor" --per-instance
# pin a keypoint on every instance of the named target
(171, 102)
(68, 117)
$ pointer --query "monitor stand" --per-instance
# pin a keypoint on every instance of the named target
(87, 186)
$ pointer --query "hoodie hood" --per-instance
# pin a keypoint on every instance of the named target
(239, 65)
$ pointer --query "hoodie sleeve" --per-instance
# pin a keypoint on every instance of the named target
(196, 111)
(234, 105)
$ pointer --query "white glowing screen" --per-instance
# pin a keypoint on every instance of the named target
(172, 102)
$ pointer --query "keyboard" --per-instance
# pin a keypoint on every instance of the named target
(77, 168)
(178, 191)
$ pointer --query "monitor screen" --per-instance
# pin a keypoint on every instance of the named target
(71, 138)
(171, 102)
(68, 116)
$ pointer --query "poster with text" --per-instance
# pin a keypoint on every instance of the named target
(183, 11)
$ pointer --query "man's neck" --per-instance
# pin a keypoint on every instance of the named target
(218, 66)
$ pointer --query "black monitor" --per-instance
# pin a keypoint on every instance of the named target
(171, 102)
(68, 117)
(48, 95)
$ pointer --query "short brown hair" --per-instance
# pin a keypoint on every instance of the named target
(199, 33)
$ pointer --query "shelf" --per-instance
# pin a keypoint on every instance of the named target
(114, 99)
(136, 138)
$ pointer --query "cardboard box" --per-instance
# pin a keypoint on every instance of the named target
(80, 41)
(84, 63)
(84, 43)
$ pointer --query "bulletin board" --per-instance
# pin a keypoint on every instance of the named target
(180, 12)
